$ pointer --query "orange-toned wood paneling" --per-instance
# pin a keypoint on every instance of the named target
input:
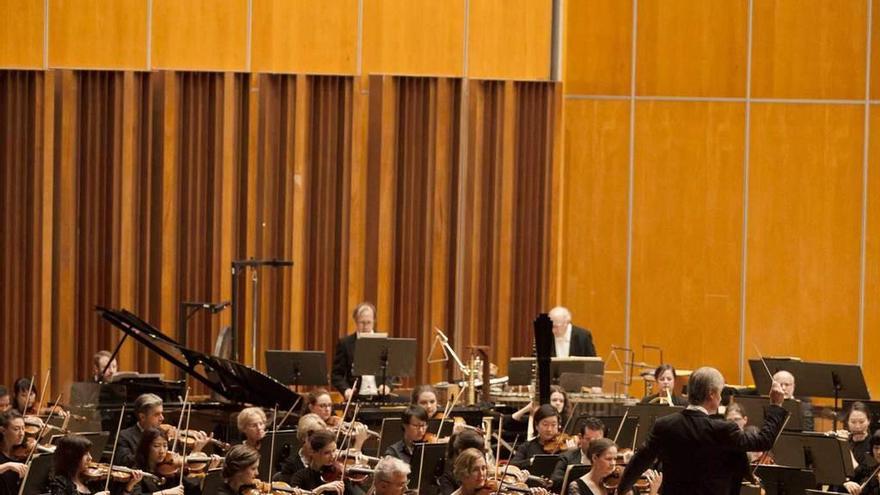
(509, 39)
(413, 37)
(872, 261)
(199, 35)
(809, 49)
(98, 34)
(804, 231)
(687, 233)
(311, 36)
(875, 50)
(21, 33)
(597, 47)
(692, 48)
(594, 218)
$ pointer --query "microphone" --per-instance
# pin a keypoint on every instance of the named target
(216, 308)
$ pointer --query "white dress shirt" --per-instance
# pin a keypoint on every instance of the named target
(563, 344)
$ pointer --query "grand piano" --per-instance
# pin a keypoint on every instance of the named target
(234, 385)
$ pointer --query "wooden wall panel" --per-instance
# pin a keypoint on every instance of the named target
(809, 49)
(597, 47)
(692, 48)
(413, 37)
(509, 39)
(98, 34)
(21, 34)
(200, 35)
(875, 50)
(311, 36)
(804, 231)
(872, 261)
(687, 233)
(594, 218)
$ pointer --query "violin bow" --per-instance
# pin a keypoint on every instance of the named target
(272, 441)
(113, 453)
(784, 422)
(289, 411)
(620, 426)
(28, 397)
(498, 451)
(422, 461)
(345, 411)
(180, 420)
(39, 436)
(43, 394)
(869, 478)
(506, 466)
(447, 410)
(188, 410)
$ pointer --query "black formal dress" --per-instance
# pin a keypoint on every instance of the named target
(861, 474)
(580, 343)
(578, 487)
(309, 479)
(9, 481)
(700, 454)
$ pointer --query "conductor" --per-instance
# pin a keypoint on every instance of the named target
(701, 454)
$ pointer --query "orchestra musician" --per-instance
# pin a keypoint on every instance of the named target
(665, 376)
(319, 402)
(701, 454)
(786, 379)
(251, 423)
(149, 409)
(558, 399)
(736, 413)
(390, 477)
(858, 422)
(866, 469)
(72, 460)
(569, 339)
(240, 468)
(12, 471)
(426, 396)
(342, 376)
(546, 420)
(5, 400)
(591, 429)
(461, 441)
(414, 421)
(471, 471)
(27, 404)
(99, 362)
(322, 453)
(151, 452)
(602, 453)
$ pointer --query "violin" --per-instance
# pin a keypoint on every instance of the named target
(190, 437)
(276, 487)
(494, 485)
(121, 474)
(559, 442)
(337, 471)
(350, 427)
(612, 481)
(22, 451)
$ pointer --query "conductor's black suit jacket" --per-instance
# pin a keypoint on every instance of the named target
(701, 455)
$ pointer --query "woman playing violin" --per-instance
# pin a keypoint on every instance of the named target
(251, 424)
(865, 470)
(240, 468)
(322, 446)
(547, 425)
(153, 451)
(471, 470)
(558, 399)
(665, 376)
(602, 453)
(5, 400)
(461, 441)
(11, 470)
(426, 396)
(72, 461)
(858, 422)
(414, 421)
(319, 402)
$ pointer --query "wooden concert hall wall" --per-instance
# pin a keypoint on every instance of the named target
(719, 180)
(397, 151)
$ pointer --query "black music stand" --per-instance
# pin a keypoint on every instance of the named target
(840, 381)
(783, 480)
(427, 459)
(648, 414)
(383, 357)
(286, 445)
(627, 436)
(520, 370)
(391, 433)
(434, 427)
(37, 477)
(756, 409)
(573, 472)
(588, 367)
(828, 457)
(543, 464)
(297, 367)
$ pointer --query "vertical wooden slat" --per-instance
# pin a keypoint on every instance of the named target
(44, 197)
(168, 266)
(301, 180)
(127, 193)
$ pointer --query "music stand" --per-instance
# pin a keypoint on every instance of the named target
(828, 457)
(783, 480)
(383, 357)
(627, 437)
(648, 414)
(434, 453)
(756, 409)
(580, 365)
(573, 472)
(391, 433)
(840, 381)
(37, 477)
(520, 370)
(297, 367)
(286, 444)
(543, 464)
(98, 438)
(434, 426)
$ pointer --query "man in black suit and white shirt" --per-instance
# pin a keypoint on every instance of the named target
(342, 376)
(570, 340)
(700, 454)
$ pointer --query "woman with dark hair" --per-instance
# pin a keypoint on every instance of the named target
(865, 469)
(414, 421)
(664, 377)
(72, 459)
(426, 396)
(150, 453)
(322, 452)
(319, 402)
(24, 396)
(858, 430)
(547, 424)
(11, 434)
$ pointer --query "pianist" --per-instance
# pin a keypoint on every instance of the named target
(99, 363)
(364, 316)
